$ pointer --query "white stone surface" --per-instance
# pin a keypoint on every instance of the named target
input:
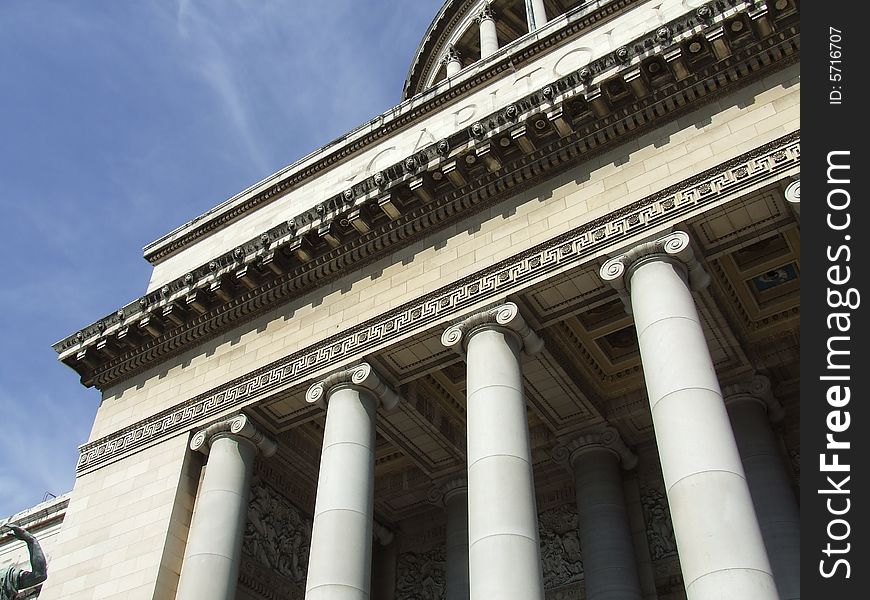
(539, 14)
(211, 560)
(717, 533)
(488, 37)
(453, 67)
(339, 566)
(504, 556)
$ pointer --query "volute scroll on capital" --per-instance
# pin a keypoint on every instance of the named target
(362, 377)
(758, 389)
(506, 316)
(444, 489)
(606, 437)
(240, 426)
(675, 246)
(793, 192)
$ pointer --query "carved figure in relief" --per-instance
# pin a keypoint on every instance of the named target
(421, 576)
(659, 531)
(277, 534)
(560, 547)
(13, 579)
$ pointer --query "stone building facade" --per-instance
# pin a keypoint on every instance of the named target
(532, 333)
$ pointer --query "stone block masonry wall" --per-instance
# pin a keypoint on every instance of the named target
(126, 527)
(703, 139)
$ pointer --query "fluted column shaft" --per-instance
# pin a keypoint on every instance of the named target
(609, 563)
(214, 544)
(339, 565)
(718, 537)
(770, 486)
(488, 33)
(504, 556)
(456, 503)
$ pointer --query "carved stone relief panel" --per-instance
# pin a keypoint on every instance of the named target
(659, 529)
(421, 564)
(656, 512)
(560, 547)
(422, 575)
(276, 544)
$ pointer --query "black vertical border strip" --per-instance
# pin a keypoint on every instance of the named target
(828, 127)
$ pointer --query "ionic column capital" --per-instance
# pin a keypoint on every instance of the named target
(504, 317)
(755, 389)
(445, 489)
(239, 426)
(793, 195)
(361, 377)
(602, 437)
(674, 247)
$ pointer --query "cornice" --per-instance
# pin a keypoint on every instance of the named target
(381, 126)
(37, 517)
(711, 188)
(403, 202)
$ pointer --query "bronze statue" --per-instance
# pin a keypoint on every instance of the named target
(13, 579)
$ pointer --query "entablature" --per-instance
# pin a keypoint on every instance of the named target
(411, 111)
(659, 75)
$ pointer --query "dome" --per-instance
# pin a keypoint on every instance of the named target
(458, 29)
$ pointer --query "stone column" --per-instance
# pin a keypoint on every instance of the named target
(214, 544)
(717, 533)
(609, 562)
(452, 61)
(340, 560)
(503, 555)
(536, 14)
(453, 496)
(384, 556)
(751, 407)
(488, 34)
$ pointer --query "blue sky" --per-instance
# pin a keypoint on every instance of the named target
(122, 119)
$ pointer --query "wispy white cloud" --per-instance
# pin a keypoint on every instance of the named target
(213, 38)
